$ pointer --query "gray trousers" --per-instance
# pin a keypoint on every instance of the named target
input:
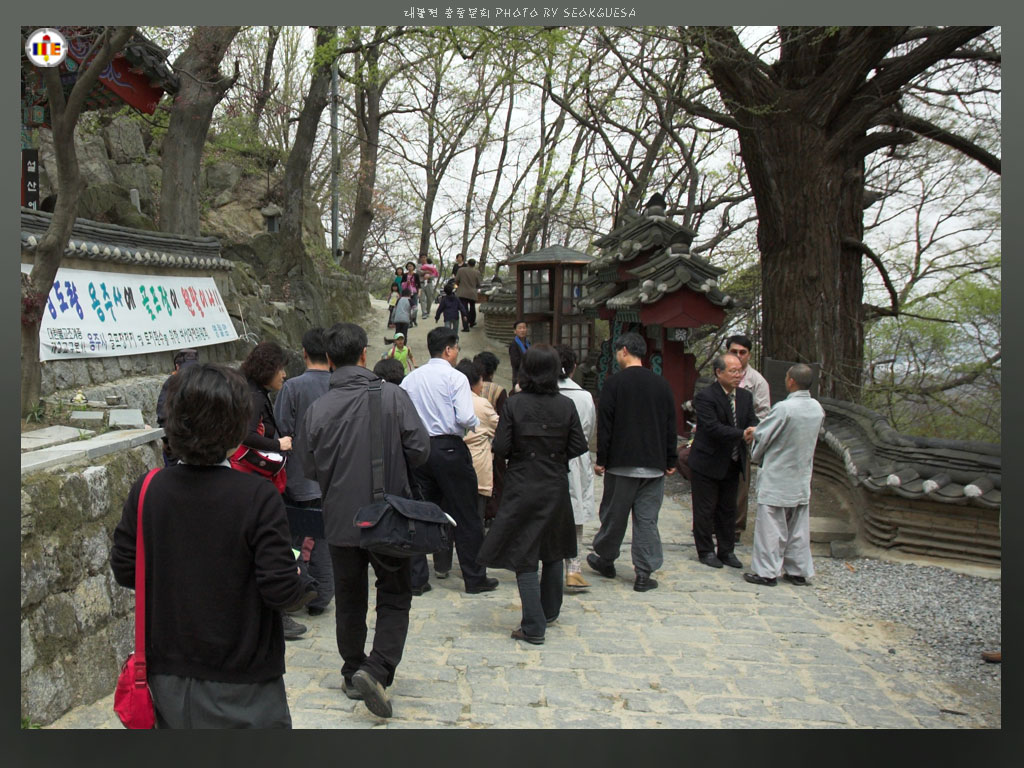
(642, 496)
(426, 298)
(782, 541)
(185, 702)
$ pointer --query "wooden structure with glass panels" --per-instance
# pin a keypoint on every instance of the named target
(647, 281)
(550, 287)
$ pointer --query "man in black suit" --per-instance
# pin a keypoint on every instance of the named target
(718, 458)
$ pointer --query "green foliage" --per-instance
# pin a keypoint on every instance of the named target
(239, 141)
(939, 374)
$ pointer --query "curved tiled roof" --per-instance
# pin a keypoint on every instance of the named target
(96, 241)
(552, 254)
(883, 461)
(150, 59)
(670, 267)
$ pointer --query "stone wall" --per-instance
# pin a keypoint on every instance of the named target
(76, 621)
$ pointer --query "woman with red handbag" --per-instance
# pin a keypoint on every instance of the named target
(264, 372)
(218, 567)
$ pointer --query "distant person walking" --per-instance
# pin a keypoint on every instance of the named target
(451, 309)
(517, 348)
(581, 468)
(538, 434)
(469, 279)
(479, 439)
(636, 444)
(496, 395)
(401, 352)
(402, 314)
(428, 285)
(301, 494)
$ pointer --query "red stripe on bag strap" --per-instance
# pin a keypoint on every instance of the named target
(140, 584)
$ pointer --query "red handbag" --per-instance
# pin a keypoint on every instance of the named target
(270, 465)
(133, 701)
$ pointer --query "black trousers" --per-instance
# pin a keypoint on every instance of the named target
(394, 597)
(448, 480)
(541, 598)
(318, 565)
(714, 510)
(468, 313)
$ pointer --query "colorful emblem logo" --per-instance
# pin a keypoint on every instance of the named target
(46, 48)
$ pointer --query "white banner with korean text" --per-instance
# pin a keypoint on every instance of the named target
(108, 314)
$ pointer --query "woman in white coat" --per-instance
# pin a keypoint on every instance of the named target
(581, 469)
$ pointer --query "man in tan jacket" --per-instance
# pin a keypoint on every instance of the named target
(469, 278)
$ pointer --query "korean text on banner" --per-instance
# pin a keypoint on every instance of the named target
(107, 314)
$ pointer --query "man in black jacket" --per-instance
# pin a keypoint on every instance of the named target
(636, 444)
(335, 444)
(718, 458)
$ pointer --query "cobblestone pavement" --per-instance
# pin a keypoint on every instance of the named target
(704, 650)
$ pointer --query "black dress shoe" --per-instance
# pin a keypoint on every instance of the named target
(349, 689)
(800, 581)
(418, 591)
(644, 582)
(518, 634)
(731, 560)
(316, 610)
(488, 585)
(711, 559)
(292, 629)
(753, 578)
(595, 562)
(374, 695)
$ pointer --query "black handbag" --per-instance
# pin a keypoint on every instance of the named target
(393, 525)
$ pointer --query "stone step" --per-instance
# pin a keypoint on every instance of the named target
(126, 418)
(48, 437)
(829, 529)
(93, 448)
(88, 417)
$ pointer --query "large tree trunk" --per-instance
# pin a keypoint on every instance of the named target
(202, 88)
(808, 200)
(296, 173)
(36, 286)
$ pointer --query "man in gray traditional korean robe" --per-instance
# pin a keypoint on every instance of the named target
(784, 443)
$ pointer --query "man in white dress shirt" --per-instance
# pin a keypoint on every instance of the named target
(444, 402)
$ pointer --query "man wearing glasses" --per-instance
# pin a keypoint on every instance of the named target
(443, 400)
(755, 383)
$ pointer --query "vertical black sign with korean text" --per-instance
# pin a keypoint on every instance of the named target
(30, 178)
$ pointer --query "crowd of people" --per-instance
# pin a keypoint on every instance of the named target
(281, 482)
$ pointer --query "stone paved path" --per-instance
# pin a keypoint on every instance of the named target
(704, 650)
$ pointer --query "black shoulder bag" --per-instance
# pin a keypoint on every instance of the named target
(393, 525)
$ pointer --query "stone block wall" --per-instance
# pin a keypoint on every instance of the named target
(77, 623)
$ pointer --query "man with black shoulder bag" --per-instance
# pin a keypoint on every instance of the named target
(336, 439)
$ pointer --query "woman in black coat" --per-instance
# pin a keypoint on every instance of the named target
(264, 372)
(539, 431)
